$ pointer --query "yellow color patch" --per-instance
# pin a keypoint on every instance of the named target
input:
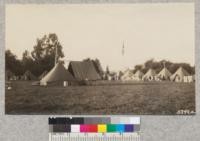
(102, 128)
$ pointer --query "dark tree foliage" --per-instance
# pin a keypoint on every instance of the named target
(44, 53)
(12, 63)
(137, 67)
(46, 46)
(27, 62)
(41, 59)
(107, 70)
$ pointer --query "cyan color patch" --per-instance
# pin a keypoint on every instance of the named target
(120, 128)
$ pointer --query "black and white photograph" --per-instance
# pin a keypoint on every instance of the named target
(100, 59)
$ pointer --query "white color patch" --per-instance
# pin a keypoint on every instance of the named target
(75, 128)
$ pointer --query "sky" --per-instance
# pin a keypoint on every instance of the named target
(159, 31)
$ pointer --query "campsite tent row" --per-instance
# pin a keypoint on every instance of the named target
(26, 76)
(77, 71)
(85, 70)
(10, 75)
(181, 75)
(129, 75)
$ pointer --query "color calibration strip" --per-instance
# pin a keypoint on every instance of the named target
(94, 129)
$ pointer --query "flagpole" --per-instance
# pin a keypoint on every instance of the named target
(123, 49)
(122, 53)
(56, 53)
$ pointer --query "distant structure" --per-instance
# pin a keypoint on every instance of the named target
(189, 79)
(127, 75)
(150, 75)
(119, 75)
(138, 75)
(111, 76)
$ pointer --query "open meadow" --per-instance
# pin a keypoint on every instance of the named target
(140, 98)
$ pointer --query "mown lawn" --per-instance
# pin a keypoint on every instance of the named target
(143, 98)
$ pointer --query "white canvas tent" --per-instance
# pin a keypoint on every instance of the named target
(164, 74)
(179, 75)
(138, 75)
(128, 75)
(57, 75)
(150, 75)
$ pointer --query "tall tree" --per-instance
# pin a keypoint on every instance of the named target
(107, 70)
(46, 52)
(12, 63)
(47, 46)
(27, 62)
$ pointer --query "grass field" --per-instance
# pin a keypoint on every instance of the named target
(145, 98)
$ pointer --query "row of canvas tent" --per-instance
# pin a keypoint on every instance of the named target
(77, 71)
(181, 75)
(9, 75)
(85, 70)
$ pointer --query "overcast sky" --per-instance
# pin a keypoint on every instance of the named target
(160, 31)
